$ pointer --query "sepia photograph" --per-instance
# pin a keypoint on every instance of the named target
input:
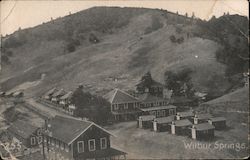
(124, 79)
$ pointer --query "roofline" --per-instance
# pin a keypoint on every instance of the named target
(116, 90)
(92, 123)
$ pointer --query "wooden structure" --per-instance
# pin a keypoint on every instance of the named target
(147, 100)
(181, 127)
(48, 95)
(218, 122)
(155, 88)
(161, 111)
(203, 131)
(123, 106)
(18, 94)
(74, 139)
(202, 118)
(185, 115)
(65, 99)
(163, 124)
(145, 121)
(56, 96)
(29, 135)
(182, 101)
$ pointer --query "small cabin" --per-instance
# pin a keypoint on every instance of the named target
(181, 127)
(65, 99)
(161, 111)
(185, 115)
(163, 124)
(48, 95)
(203, 131)
(18, 94)
(202, 118)
(145, 121)
(2, 94)
(218, 122)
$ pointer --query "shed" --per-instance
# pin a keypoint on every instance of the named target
(160, 111)
(203, 131)
(18, 94)
(218, 122)
(181, 127)
(48, 94)
(163, 124)
(185, 115)
(57, 95)
(145, 121)
(202, 118)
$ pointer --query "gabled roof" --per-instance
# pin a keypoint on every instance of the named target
(58, 93)
(203, 126)
(168, 119)
(216, 119)
(22, 129)
(147, 117)
(149, 98)
(182, 123)
(67, 95)
(158, 108)
(119, 96)
(68, 129)
(185, 114)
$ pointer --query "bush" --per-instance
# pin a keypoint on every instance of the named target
(93, 38)
(172, 38)
(71, 47)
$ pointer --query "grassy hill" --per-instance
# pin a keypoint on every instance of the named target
(107, 47)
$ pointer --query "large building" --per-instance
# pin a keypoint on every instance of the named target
(122, 105)
(73, 139)
(147, 100)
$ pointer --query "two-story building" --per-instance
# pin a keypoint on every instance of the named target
(75, 139)
(28, 134)
(123, 106)
(155, 88)
(56, 96)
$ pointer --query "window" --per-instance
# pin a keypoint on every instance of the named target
(103, 143)
(39, 139)
(57, 143)
(91, 144)
(158, 113)
(52, 142)
(33, 140)
(80, 146)
(163, 113)
(126, 106)
(171, 111)
(205, 132)
(62, 145)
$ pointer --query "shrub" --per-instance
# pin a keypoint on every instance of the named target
(172, 38)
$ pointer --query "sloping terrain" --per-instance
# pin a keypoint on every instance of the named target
(113, 47)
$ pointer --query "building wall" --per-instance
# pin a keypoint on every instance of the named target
(92, 133)
(161, 113)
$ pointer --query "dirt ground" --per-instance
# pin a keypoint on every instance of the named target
(142, 144)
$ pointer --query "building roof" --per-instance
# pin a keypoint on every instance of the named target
(168, 119)
(182, 123)
(50, 92)
(157, 108)
(58, 93)
(17, 93)
(67, 129)
(22, 129)
(67, 95)
(109, 152)
(119, 96)
(149, 98)
(185, 114)
(203, 116)
(216, 119)
(147, 117)
(203, 126)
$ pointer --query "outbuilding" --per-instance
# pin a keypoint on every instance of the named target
(218, 122)
(185, 115)
(202, 118)
(163, 124)
(145, 121)
(181, 127)
(203, 131)
(18, 94)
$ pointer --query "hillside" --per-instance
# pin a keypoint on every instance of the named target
(98, 45)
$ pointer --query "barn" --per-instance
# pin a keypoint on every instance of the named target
(181, 127)
(163, 124)
(203, 131)
(145, 121)
(218, 122)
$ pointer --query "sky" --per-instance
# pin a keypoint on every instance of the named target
(28, 13)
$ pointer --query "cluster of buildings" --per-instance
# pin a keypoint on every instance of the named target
(9, 94)
(66, 138)
(61, 98)
(197, 126)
